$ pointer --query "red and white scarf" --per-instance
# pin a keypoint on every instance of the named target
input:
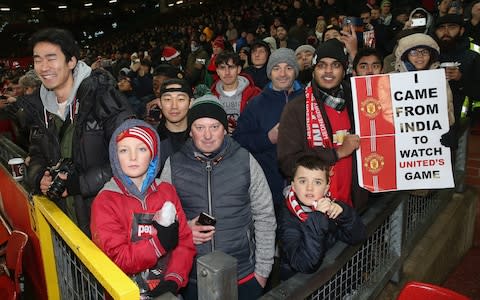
(317, 134)
(294, 206)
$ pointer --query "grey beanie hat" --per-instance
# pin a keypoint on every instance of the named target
(304, 48)
(282, 55)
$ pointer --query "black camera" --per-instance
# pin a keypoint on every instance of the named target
(58, 185)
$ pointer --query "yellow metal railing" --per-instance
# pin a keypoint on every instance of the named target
(52, 222)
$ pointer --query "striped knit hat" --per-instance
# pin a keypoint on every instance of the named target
(144, 134)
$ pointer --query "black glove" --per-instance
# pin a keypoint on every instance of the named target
(449, 139)
(168, 236)
(163, 287)
(73, 184)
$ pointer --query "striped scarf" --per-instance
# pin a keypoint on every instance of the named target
(295, 206)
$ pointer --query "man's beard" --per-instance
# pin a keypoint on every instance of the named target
(449, 44)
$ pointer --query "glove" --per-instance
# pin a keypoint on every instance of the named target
(168, 236)
(449, 139)
(72, 184)
(163, 287)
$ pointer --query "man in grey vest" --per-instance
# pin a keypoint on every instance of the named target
(214, 175)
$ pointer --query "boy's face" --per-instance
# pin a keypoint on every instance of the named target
(134, 158)
(228, 72)
(310, 185)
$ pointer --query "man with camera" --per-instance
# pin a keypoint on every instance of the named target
(225, 197)
(73, 115)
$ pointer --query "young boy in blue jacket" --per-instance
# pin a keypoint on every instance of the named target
(311, 222)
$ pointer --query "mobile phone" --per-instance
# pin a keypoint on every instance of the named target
(155, 113)
(356, 22)
(206, 219)
(419, 22)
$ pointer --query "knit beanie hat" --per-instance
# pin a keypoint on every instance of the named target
(144, 134)
(169, 53)
(449, 18)
(207, 106)
(219, 42)
(333, 49)
(147, 134)
(305, 48)
(282, 55)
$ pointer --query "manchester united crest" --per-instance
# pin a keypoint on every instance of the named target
(374, 163)
(371, 107)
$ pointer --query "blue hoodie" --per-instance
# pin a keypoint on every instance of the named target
(262, 114)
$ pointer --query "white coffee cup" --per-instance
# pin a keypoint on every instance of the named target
(450, 65)
(17, 165)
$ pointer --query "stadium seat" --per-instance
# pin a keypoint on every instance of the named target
(414, 290)
(10, 278)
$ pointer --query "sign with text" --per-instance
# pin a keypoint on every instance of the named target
(400, 118)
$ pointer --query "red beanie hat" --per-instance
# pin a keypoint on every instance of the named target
(169, 53)
(219, 42)
(144, 134)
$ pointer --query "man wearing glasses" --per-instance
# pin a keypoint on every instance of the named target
(463, 72)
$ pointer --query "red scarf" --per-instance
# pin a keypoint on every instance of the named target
(317, 135)
(294, 206)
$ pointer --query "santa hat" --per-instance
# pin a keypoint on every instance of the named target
(169, 53)
(144, 134)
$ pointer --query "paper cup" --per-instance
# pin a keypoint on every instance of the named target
(449, 65)
(17, 165)
(340, 136)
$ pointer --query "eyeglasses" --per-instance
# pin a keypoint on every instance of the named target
(419, 52)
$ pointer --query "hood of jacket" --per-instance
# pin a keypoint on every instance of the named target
(413, 41)
(429, 18)
(243, 83)
(49, 99)
(153, 167)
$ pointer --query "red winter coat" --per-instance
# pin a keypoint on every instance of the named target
(121, 227)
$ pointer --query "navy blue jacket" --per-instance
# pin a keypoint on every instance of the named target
(304, 244)
(262, 114)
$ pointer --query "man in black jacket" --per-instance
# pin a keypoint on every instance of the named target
(464, 74)
(72, 116)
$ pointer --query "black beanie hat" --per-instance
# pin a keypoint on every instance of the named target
(449, 18)
(207, 106)
(334, 49)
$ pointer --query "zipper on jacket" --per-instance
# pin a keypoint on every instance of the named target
(208, 167)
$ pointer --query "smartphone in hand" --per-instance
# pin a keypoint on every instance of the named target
(206, 219)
